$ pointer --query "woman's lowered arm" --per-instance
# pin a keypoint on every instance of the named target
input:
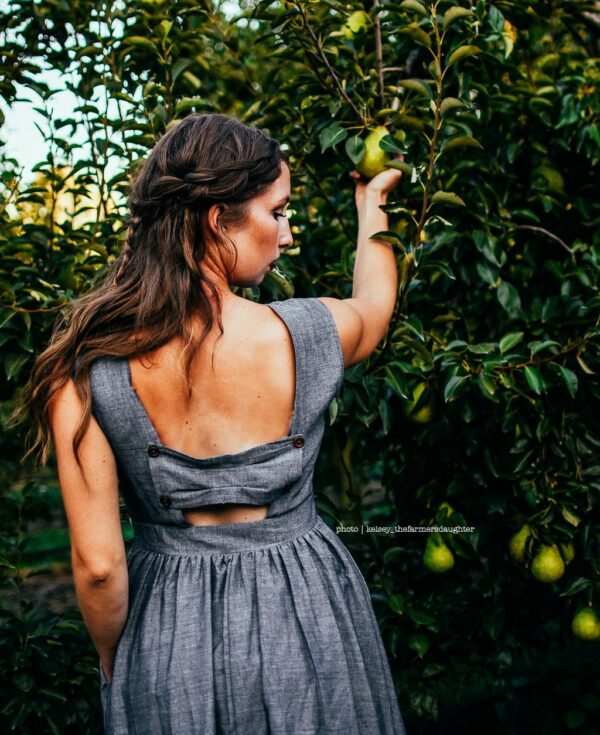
(91, 501)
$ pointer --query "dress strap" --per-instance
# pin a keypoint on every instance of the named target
(320, 361)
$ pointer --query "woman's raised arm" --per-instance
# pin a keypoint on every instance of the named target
(363, 319)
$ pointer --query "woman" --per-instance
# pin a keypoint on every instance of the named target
(236, 608)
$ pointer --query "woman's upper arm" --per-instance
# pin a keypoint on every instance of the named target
(361, 326)
(91, 501)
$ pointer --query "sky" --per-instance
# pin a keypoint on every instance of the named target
(24, 141)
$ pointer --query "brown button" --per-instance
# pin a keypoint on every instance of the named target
(298, 441)
(153, 450)
(165, 501)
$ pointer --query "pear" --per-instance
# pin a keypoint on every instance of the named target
(375, 158)
(547, 564)
(425, 413)
(437, 556)
(357, 20)
(568, 552)
(518, 543)
(586, 624)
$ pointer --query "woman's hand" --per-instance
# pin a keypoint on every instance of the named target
(382, 183)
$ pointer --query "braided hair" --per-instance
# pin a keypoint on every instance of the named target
(157, 289)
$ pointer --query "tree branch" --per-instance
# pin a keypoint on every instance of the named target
(551, 235)
(325, 60)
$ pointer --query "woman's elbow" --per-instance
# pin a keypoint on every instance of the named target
(96, 568)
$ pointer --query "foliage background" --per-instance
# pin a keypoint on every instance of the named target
(497, 320)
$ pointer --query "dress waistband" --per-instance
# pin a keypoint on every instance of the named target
(227, 537)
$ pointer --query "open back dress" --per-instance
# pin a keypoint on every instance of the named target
(253, 628)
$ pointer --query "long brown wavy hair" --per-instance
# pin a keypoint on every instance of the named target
(156, 286)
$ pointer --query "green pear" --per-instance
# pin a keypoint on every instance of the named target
(547, 564)
(437, 556)
(518, 543)
(424, 414)
(586, 624)
(375, 158)
(357, 20)
(568, 552)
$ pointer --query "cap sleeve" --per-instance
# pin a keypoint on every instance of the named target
(327, 340)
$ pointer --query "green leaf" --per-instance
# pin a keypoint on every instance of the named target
(482, 348)
(355, 148)
(388, 236)
(334, 407)
(487, 385)
(13, 364)
(509, 298)
(439, 265)
(569, 516)
(447, 197)
(397, 382)
(417, 85)
(418, 34)
(534, 379)
(89, 51)
(391, 144)
(140, 42)
(450, 103)
(188, 103)
(462, 52)
(570, 379)
(452, 386)
(418, 643)
(396, 602)
(510, 340)
(421, 617)
(180, 66)
(435, 69)
(576, 586)
(414, 5)
(409, 121)
(406, 168)
(453, 14)
(386, 415)
(536, 347)
(331, 135)
(461, 141)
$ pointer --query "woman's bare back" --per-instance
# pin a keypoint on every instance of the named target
(247, 401)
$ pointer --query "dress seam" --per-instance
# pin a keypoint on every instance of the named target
(136, 546)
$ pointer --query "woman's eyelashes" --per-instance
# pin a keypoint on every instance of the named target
(279, 214)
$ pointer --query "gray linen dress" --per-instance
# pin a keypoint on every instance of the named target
(258, 628)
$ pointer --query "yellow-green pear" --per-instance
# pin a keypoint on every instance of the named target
(357, 20)
(586, 624)
(437, 556)
(568, 551)
(424, 414)
(518, 543)
(547, 564)
(375, 158)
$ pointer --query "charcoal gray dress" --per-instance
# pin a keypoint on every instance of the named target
(258, 628)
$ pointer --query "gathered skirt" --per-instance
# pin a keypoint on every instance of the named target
(277, 639)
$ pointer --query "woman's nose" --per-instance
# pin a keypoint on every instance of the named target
(285, 236)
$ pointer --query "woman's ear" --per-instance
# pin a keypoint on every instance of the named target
(213, 216)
